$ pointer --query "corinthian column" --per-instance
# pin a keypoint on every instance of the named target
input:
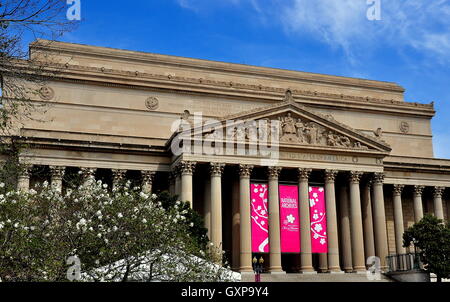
(418, 208)
(216, 170)
(398, 219)
(438, 208)
(366, 207)
(245, 222)
(345, 229)
(305, 223)
(88, 175)
(187, 169)
(379, 216)
(147, 181)
(118, 177)
(332, 229)
(359, 264)
(57, 174)
(23, 182)
(274, 221)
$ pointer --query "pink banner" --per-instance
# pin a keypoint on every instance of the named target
(318, 220)
(260, 215)
(289, 221)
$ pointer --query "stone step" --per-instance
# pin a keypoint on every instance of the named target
(347, 277)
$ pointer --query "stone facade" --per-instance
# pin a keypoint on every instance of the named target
(113, 111)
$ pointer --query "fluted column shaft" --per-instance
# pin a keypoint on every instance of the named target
(398, 219)
(356, 223)
(418, 207)
(437, 198)
(379, 216)
(187, 169)
(147, 181)
(305, 222)
(345, 229)
(274, 221)
(207, 196)
(245, 219)
(332, 227)
(57, 174)
(216, 170)
(366, 207)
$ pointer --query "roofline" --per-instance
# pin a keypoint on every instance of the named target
(120, 54)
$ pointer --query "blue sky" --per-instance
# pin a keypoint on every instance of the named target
(410, 45)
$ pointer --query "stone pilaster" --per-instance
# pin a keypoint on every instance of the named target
(57, 174)
(305, 222)
(274, 221)
(245, 218)
(356, 222)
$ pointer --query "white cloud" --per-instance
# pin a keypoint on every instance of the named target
(418, 24)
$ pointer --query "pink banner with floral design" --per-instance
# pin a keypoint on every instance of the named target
(289, 219)
(260, 218)
(319, 242)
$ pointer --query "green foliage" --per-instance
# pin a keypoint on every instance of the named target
(432, 237)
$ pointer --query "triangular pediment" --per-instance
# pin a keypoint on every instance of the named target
(297, 127)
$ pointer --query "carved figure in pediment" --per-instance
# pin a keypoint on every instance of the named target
(300, 127)
(288, 125)
(312, 133)
(332, 139)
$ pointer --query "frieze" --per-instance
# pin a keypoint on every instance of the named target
(236, 85)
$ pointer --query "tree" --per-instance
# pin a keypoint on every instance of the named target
(118, 235)
(21, 76)
(432, 237)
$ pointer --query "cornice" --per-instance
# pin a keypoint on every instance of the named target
(207, 65)
(119, 78)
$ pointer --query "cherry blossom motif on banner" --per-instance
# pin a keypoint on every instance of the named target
(289, 219)
(260, 218)
(319, 242)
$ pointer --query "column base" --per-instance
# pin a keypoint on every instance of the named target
(247, 273)
(308, 272)
(337, 272)
(277, 272)
(243, 270)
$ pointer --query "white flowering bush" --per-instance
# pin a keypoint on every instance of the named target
(118, 235)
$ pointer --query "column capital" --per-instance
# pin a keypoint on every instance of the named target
(57, 172)
(88, 172)
(245, 171)
(216, 169)
(330, 175)
(398, 189)
(274, 172)
(418, 190)
(186, 167)
(355, 176)
(25, 170)
(147, 176)
(378, 178)
(438, 191)
(303, 174)
(118, 174)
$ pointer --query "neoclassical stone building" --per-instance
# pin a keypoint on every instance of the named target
(111, 113)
